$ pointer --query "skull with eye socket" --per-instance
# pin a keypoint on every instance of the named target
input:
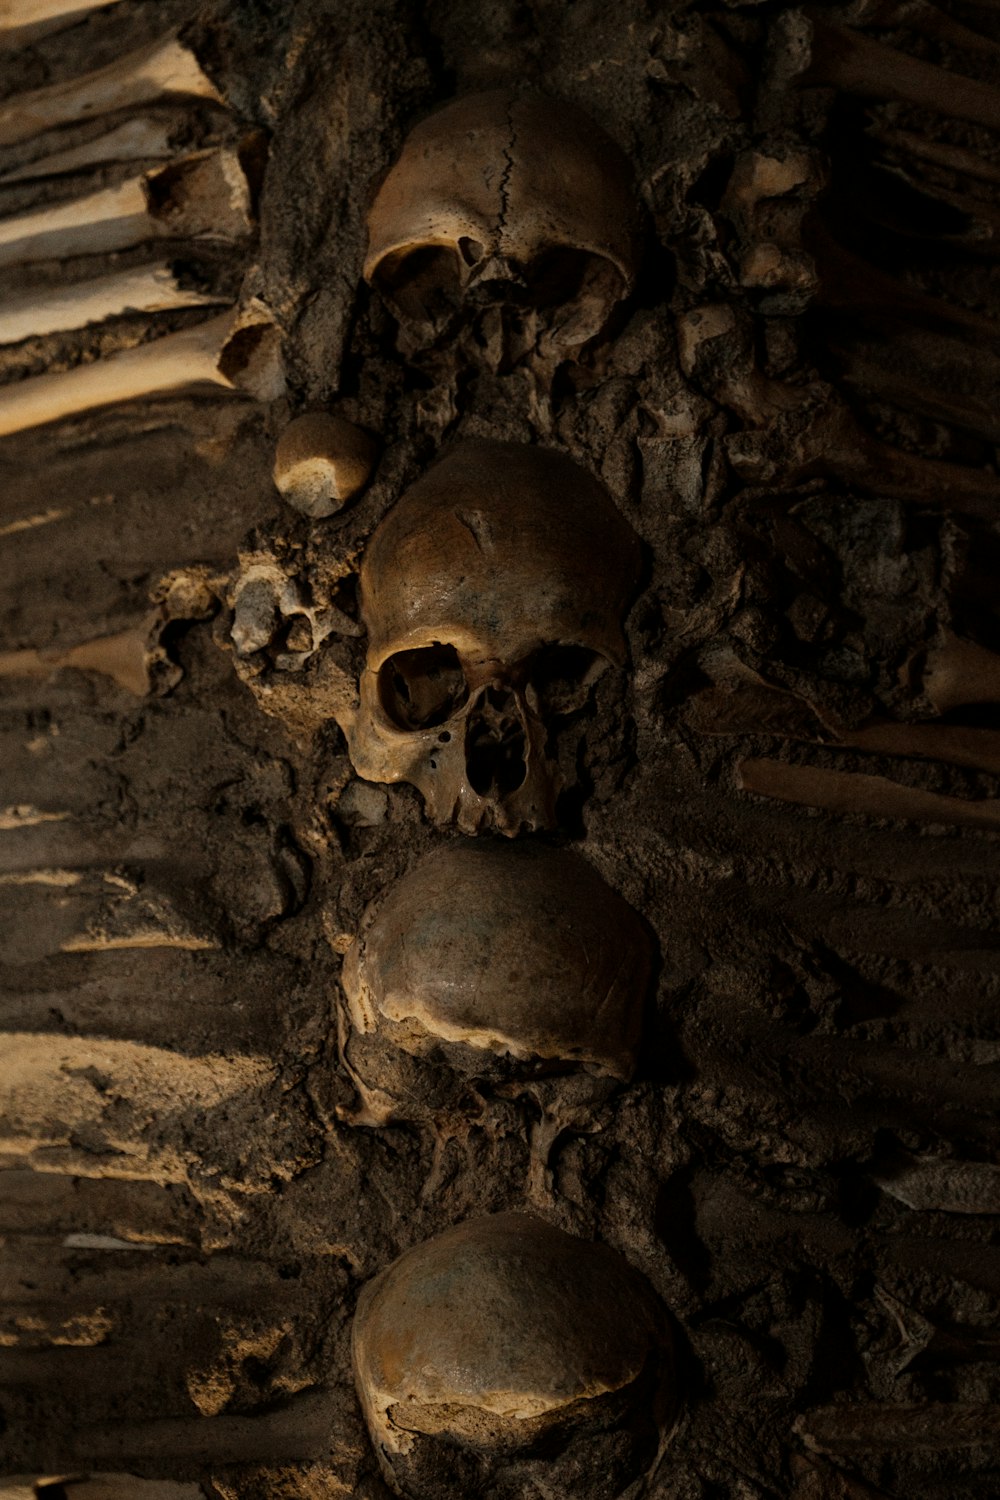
(513, 214)
(493, 595)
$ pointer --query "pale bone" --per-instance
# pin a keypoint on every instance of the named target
(321, 462)
(47, 1098)
(495, 1332)
(158, 71)
(27, 19)
(957, 672)
(858, 64)
(202, 196)
(518, 950)
(234, 352)
(134, 140)
(943, 1185)
(263, 595)
(914, 1427)
(862, 795)
(485, 189)
(122, 657)
(495, 587)
(60, 309)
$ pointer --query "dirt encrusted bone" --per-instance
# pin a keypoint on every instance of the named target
(515, 212)
(493, 595)
(505, 1353)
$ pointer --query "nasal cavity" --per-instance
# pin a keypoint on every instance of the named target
(495, 746)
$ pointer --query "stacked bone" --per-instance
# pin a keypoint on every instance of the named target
(905, 420)
(130, 206)
(504, 1346)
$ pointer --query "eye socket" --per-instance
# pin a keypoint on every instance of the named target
(563, 275)
(424, 284)
(422, 688)
(562, 677)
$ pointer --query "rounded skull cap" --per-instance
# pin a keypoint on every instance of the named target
(517, 948)
(504, 1317)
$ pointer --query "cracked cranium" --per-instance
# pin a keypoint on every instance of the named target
(493, 595)
(502, 964)
(505, 1352)
(514, 207)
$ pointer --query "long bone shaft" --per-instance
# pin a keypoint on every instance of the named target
(203, 196)
(24, 20)
(59, 309)
(169, 364)
(154, 72)
(134, 140)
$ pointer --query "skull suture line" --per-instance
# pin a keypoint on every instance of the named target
(493, 595)
(515, 208)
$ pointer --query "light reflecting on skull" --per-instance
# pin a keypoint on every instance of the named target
(503, 205)
(504, 1352)
(493, 595)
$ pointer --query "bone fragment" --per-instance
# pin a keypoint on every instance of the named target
(121, 657)
(858, 793)
(47, 1096)
(848, 60)
(162, 69)
(942, 154)
(958, 672)
(24, 20)
(923, 17)
(321, 462)
(768, 711)
(925, 1426)
(115, 912)
(59, 309)
(942, 1185)
(218, 352)
(135, 140)
(203, 196)
(112, 219)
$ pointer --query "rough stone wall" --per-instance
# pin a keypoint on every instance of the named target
(797, 413)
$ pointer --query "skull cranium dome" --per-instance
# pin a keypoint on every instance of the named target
(493, 595)
(509, 198)
(505, 1340)
(516, 950)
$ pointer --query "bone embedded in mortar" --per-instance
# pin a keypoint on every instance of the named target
(321, 462)
(505, 1340)
(208, 353)
(59, 309)
(134, 140)
(24, 20)
(500, 198)
(202, 196)
(160, 70)
(493, 595)
(517, 950)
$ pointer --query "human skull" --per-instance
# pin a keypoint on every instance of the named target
(504, 1352)
(493, 594)
(506, 201)
(501, 962)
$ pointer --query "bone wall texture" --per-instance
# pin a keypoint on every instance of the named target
(794, 783)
